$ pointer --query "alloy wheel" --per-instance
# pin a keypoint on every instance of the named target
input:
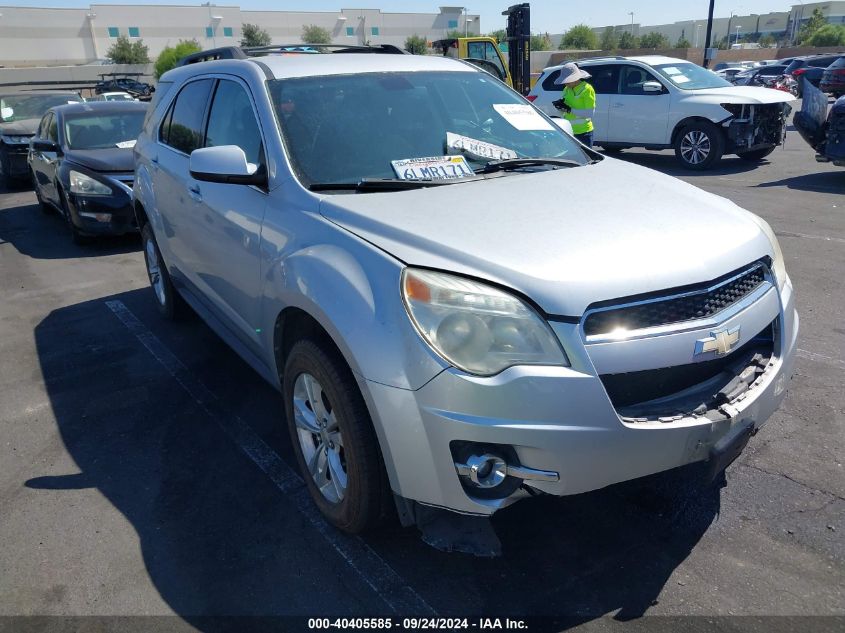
(319, 437)
(695, 147)
(154, 271)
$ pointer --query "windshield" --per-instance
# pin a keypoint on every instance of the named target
(19, 107)
(346, 128)
(688, 76)
(86, 131)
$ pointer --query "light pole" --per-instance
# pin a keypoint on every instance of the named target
(736, 42)
(466, 25)
(697, 29)
(631, 13)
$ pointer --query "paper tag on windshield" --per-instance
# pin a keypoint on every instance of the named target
(432, 168)
(455, 143)
(522, 116)
(125, 144)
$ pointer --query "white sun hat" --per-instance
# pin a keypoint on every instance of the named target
(570, 72)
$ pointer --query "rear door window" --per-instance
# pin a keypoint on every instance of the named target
(605, 79)
(182, 128)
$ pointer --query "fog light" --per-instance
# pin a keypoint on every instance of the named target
(486, 471)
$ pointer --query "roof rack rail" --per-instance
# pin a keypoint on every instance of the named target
(236, 52)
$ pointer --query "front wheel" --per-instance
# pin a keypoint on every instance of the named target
(75, 235)
(755, 154)
(169, 302)
(333, 437)
(699, 145)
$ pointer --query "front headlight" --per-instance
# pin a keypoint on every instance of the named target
(475, 327)
(84, 185)
(778, 267)
(15, 139)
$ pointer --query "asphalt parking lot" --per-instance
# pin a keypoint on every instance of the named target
(144, 469)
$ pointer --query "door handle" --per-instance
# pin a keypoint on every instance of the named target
(194, 192)
(618, 105)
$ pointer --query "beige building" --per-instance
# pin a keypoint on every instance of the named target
(44, 36)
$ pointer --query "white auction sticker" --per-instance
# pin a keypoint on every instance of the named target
(477, 149)
(125, 144)
(522, 117)
(432, 168)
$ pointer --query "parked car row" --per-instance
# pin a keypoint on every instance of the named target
(373, 234)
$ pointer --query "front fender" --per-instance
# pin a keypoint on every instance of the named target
(353, 291)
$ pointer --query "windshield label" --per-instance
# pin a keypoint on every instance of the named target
(432, 168)
(125, 144)
(455, 143)
(522, 116)
(671, 70)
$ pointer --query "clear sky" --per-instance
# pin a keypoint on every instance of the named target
(554, 16)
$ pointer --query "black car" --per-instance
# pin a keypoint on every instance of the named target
(762, 76)
(20, 113)
(136, 88)
(81, 164)
(810, 68)
(833, 78)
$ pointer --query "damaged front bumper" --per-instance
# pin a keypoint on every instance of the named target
(754, 126)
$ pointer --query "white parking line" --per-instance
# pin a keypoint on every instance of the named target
(370, 567)
(821, 358)
(824, 238)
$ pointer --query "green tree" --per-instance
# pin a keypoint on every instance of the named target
(312, 34)
(609, 40)
(626, 41)
(541, 42)
(171, 54)
(767, 41)
(254, 35)
(816, 22)
(579, 37)
(499, 35)
(454, 34)
(125, 52)
(416, 45)
(654, 40)
(683, 43)
(828, 35)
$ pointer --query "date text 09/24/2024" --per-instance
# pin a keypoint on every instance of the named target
(418, 624)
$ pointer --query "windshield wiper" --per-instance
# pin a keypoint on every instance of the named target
(519, 163)
(383, 184)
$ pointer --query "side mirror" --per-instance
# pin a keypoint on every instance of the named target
(6, 113)
(564, 125)
(225, 164)
(43, 145)
(652, 87)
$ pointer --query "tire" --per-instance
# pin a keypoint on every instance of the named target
(346, 479)
(75, 235)
(5, 179)
(699, 145)
(755, 154)
(169, 302)
(612, 150)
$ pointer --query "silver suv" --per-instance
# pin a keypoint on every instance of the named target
(459, 303)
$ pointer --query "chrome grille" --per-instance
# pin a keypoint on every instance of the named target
(689, 306)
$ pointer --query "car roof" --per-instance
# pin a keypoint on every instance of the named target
(651, 60)
(287, 66)
(105, 107)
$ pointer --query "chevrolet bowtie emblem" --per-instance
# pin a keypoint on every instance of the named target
(720, 341)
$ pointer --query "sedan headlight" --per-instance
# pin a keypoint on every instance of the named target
(778, 266)
(84, 185)
(476, 327)
(15, 139)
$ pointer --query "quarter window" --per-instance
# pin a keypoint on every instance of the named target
(53, 130)
(182, 128)
(45, 125)
(231, 121)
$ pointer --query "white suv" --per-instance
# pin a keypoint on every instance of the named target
(666, 103)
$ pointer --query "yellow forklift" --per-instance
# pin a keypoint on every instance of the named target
(485, 53)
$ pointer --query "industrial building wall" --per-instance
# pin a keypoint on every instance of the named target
(49, 37)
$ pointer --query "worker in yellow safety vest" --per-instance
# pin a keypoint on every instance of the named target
(578, 102)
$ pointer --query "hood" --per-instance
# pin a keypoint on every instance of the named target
(756, 95)
(24, 127)
(113, 159)
(564, 238)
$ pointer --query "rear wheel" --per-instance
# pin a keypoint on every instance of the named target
(699, 145)
(333, 437)
(756, 154)
(169, 302)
